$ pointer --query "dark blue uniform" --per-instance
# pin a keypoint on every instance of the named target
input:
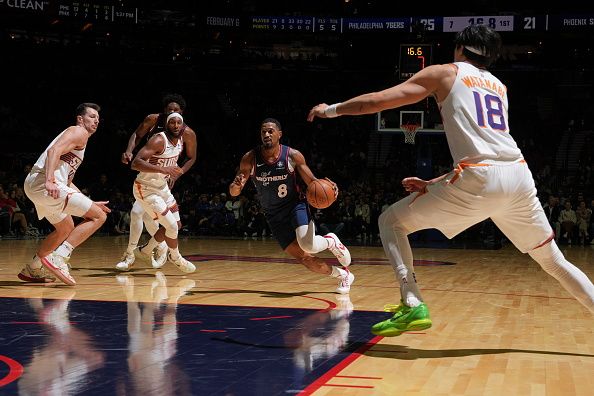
(284, 204)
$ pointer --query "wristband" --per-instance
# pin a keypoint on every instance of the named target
(330, 111)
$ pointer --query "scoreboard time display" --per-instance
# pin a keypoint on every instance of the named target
(413, 57)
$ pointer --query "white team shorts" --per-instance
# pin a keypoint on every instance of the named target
(503, 191)
(70, 201)
(156, 202)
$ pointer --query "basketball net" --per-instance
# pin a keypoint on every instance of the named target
(410, 131)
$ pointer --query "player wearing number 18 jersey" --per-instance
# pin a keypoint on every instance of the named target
(274, 169)
(490, 178)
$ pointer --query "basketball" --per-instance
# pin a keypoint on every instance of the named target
(320, 193)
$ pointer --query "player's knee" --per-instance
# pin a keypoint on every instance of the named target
(548, 256)
(387, 222)
(170, 224)
(101, 217)
(96, 214)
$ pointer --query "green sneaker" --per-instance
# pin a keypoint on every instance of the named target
(405, 319)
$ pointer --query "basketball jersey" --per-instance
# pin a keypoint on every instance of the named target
(475, 118)
(168, 157)
(67, 165)
(276, 182)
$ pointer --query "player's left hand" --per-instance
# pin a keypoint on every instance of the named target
(414, 184)
(334, 187)
(239, 180)
(103, 206)
(317, 111)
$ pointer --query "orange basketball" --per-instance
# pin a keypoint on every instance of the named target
(320, 194)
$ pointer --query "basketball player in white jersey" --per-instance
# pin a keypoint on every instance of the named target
(157, 163)
(490, 179)
(49, 185)
(152, 124)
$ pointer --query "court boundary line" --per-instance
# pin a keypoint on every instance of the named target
(332, 372)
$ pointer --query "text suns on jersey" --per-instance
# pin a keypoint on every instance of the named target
(164, 162)
(73, 161)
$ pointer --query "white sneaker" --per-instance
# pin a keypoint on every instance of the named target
(344, 285)
(159, 257)
(36, 275)
(183, 264)
(126, 262)
(57, 266)
(338, 249)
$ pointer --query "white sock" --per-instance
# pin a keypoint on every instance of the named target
(174, 252)
(338, 272)
(65, 249)
(150, 245)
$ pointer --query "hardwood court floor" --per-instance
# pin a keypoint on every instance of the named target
(501, 325)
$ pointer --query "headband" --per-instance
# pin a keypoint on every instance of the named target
(475, 50)
(175, 115)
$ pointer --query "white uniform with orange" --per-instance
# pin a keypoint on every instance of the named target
(151, 189)
(70, 201)
(491, 178)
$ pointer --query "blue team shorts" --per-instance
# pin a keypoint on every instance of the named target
(283, 224)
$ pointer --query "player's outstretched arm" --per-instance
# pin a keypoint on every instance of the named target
(245, 169)
(423, 84)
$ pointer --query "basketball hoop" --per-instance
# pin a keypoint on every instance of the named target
(410, 131)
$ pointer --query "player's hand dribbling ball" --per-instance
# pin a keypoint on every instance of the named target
(321, 193)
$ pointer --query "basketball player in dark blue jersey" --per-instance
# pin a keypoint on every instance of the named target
(275, 168)
(151, 125)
